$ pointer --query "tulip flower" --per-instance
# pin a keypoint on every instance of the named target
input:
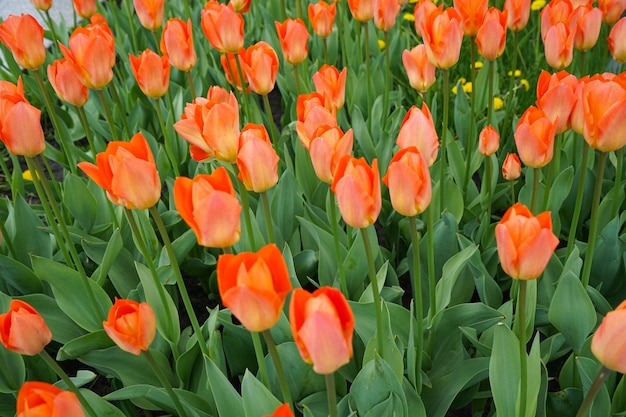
(362, 10)
(491, 36)
(23, 36)
(322, 17)
(609, 341)
(209, 205)
(556, 96)
(312, 116)
(150, 13)
(42, 5)
(256, 158)
(293, 36)
(418, 68)
(328, 146)
(282, 411)
(511, 167)
(443, 35)
(525, 242)
(472, 13)
(177, 44)
(20, 126)
(85, 8)
(331, 84)
(616, 41)
(36, 399)
(556, 11)
(66, 83)
(357, 187)
(612, 10)
(418, 129)
(23, 330)
(408, 180)
(588, 23)
(559, 45)
(131, 325)
(241, 6)
(127, 172)
(8, 88)
(211, 126)
(488, 141)
(517, 12)
(152, 73)
(385, 14)
(254, 286)
(260, 65)
(422, 9)
(534, 138)
(322, 324)
(222, 26)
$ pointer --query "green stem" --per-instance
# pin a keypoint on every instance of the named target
(583, 62)
(55, 37)
(296, 75)
(472, 128)
(340, 34)
(192, 88)
(116, 97)
(299, 9)
(603, 373)
(489, 187)
(107, 114)
(7, 241)
(166, 384)
(533, 200)
(331, 395)
(617, 187)
(548, 184)
(260, 358)
(187, 9)
(387, 81)
(325, 45)
(419, 302)
(444, 128)
(245, 208)
(282, 379)
(273, 131)
(333, 220)
(243, 87)
(131, 23)
(593, 229)
(7, 173)
(431, 264)
(512, 192)
(490, 92)
(283, 11)
(368, 79)
(83, 121)
(375, 291)
(268, 217)
(166, 137)
(521, 321)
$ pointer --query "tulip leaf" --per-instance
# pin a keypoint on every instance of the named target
(84, 344)
(12, 371)
(101, 407)
(18, 279)
(450, 277)
(504, 370)
(327, 259)
(79, 201)
(618, 405)
(25, 230)
(193, 404)
(560, 189)
(301, 378)
(391, 353)
(258, 401)
(362, 135)
(227, 400)
(588, 369)
(607, 269)
(286, 210)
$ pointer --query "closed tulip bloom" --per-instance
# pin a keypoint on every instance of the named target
(559, 45)
(282, 411)
(328, 146)
(211, 126)
(322, 17)
(127, 172)
(611, 10)
(254, 285)
(312, 114)
(588, 23)
(488, 141)
(322, 325)
(418, 129)
(422, 9)
(408, 180)
(556, 96)
(534, 138)
(511, 167)
(23, 330)
(131, 325)
(210, 207)
(20, 126)
(418, 68)
(617, 46)
(177, 44)
(386, 13)
(362, 10)
(577, 117)
(443, 36)
(222, 26)
(609, 341)
(152, 73)
(604, 111)
(357, 187)
(554, 12)
(241, 6)
(7, 89)
(257, 160)
(229, 65)
(42, 4)
(85, 8)
(36, 399)
(491, 36)
(293, 36)
(66, 83)
(150, 13)
(525, 242)
(306, 102)
(260, 65)
(23, 36)
(331, 84)
(517, 13)
(472, 13)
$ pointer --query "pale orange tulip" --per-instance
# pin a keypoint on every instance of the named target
(357, 187)
(408, 180)
(418, 68)
(491, 36)
(609, 341)
(23, 330)
(331, 84)
(418, 129)
(386, 13)
(534, 138)
(443, 36)
(518, 12)
(66, 83)
(222, 26)
(23, 36)
(322, 17)
(488, 141)
(260, 65)
(293, 36)
(617, 46)
(472, 13)
(511, 167)
(150, 13)
(328, 146)
(177, 44)
(256, 158)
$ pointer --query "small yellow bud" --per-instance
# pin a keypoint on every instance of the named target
(497, 103)
(478, 65)
(537, 5)
(381, 44)
(524, 82)
(410, 17)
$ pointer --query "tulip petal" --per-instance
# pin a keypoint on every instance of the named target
(325, 342)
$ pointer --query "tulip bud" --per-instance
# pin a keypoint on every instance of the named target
(131, 325)
(609, 341)
(23, 330)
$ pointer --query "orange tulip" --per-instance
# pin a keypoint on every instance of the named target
(443, 36)
(150, 13)
(42, 4)
(209, 205)
(322, 324)
(422, 9)
(23, 36)
(488, 141)
(511, 167)
(385, 14)
(357, 187)
(152, 73)
(577, 117)
(362, 10)
(616, 41)
(229, 64)
(85, 8)
(20, 126)
(282, 411)
(604, 111)
(127, 172)
(418, 68)
(257, 160)
(177, 44)
(525, 242)
(612, 10)
(554, 12)
(328, 146)
(517, 12)
(588, 23)
(322, 17)
(222, 26)
(331, 84)
(241, 6)
(306, 102)
(556, 96)
(260, 65)
(609, 342)
(534, 138)
(472, 13)
(23, 330)
(293, 36)
(418, 129)
(491, 36)
(211, 126)
(311, 116)
(37, 399)
(66, 83)
(131, 325)
(254, 286)
(8, 88)
(408, 180)
(559, 45)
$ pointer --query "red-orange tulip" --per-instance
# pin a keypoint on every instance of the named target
(328, 146)
(23, 330)
(23, 35)
(357, 187)
(488, 141)
(511, 167)
(386, 13)
(331, 84)
(322, 324)
(127, 172)
(312, 114)
(609, 341)
(152, 73)
(604, 111)
(534, 138)
(42, 4)
(408, 180)
(131, 325)
(322, 17)
(254, 286)
(177, 44)
(241, 6)
(617, 46)
(611, 10)
(37, 399)
(442, 34)
(518, 12)
(260, 65)
(293, 36)
(422, 9)
(150, 13)
(418, 129)
(222, 26)
(362, 10)
(20, 126)
(556, 96)
(282, 411)
(209, 205)
(66, 83)
(257, 160)
(525, 242)
(472, 13)
(588, 23)
(491, 36)
(418, 68)
(85, 8)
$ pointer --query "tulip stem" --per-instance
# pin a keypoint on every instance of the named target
(7, 240)
(603, 373)
(55, 38)
(268, 217)
(245, 208)
(619, 154)
(512, 192)
(331, 394)
(387, 81)
(335, 227)
(116, 97)
(375, 292)
(367, 73)
(282, 379)
(593, 228)
(325, 45)
(470, 139)
(270, 118)
(166, 384)
(444, 129)
(192, 88)
(66, 379)
(283, 12)
(244, 91)
(419, 302)
(130, 15)
(553, 169)
(533, 199)
(521, 322)
(296, 75)
(487, 182)
(83, 121)
(184, 295)
(260, 358)
(107, 114)
(430, 220)
(490, 92)
(166, 138)
(299, 9)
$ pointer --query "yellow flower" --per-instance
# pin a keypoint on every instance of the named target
(524, 82)
(467, 87)
(413, 1)
(517, 73)
(497, 103)
(410, 17)
(461, 80)
(537, 5)
(27, 175)
(478, 65)
(454, 90)
(381, 44)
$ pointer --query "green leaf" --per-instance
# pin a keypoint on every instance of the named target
(258, 401)
(227, 400)
(560, 189)
(62, 327)
(79, 201)
(24, 228)
(84, 344)
(101, 407)
(588, 369)
(451, 273)
(391, 354)
(18, 279)
(618, 405)
(504, 370)
(192, 403)
(113, 248)
(301, 378)
(12, 371)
